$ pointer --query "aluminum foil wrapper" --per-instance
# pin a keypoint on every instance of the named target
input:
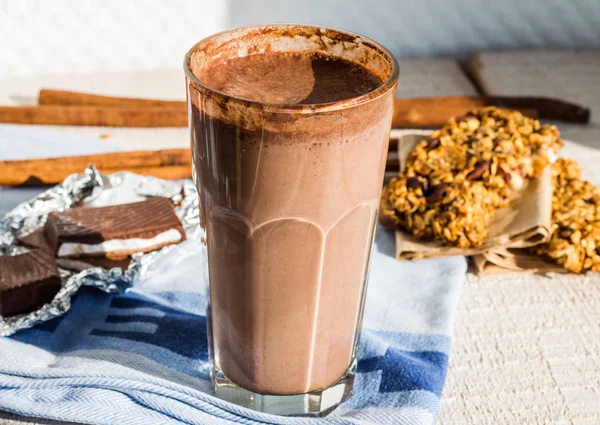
(93, 189)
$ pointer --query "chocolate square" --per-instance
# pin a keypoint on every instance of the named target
(27, 281)
(93, 226)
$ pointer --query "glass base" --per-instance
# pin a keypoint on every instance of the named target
(316, 403)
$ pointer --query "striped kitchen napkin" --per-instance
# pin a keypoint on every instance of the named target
(141, 357)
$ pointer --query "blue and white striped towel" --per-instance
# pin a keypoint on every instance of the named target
(141, 357)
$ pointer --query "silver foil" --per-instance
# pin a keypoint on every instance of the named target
(93, 189)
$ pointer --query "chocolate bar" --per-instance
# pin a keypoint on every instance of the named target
(114, 232)
(36, 239)
(27, 281)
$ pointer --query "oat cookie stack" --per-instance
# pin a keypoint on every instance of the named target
(457, 178)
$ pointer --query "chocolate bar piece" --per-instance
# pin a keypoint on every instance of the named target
(116, 231)
(78, 265)
(36, 239)
(27, 281)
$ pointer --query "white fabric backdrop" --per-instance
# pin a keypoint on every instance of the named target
(80, 36)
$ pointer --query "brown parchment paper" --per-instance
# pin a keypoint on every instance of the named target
(525, 223)
(503, 260)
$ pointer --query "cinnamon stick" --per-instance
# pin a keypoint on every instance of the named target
(546, 107)
(167, 164)
(109, 116)
(174, 172)
(415, 112)
(65, 97)
(425, 112)
(437, 111)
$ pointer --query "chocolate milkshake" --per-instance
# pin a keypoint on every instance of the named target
(290, 127)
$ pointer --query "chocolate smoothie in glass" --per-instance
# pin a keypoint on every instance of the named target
(290, 128)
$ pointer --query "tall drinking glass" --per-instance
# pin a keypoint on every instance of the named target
(289, 192)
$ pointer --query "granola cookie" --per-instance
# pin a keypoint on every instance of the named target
(575, 240)
(454, 180)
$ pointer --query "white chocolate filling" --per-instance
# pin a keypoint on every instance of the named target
(69, 249)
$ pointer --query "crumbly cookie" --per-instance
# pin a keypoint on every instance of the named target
(455, 179)
(575, 240)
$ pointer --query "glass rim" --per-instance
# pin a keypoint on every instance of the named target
(301, 108)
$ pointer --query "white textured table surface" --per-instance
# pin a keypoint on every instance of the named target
(526, 348)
